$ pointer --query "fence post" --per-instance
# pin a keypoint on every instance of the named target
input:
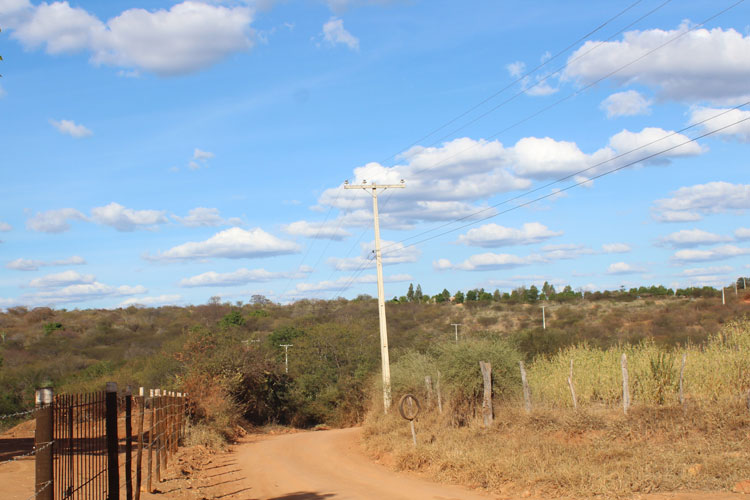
(526, 392)
(625, 384)
(682, 371)
(570, 384)
(158, 438)
(151, 428)
(439, 395)
(113, 473)
(139, 454)
(128, 443)
(487, 400)
(43, 484)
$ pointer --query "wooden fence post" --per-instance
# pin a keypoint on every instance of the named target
(526, 392)
(139, 454)
(128, 443)
(625, 384)
(43, 437)
(487, 400)
(158, 438)
(151, 428)
(439, 395)
(113, 472)
(428, 386)
(570, 384)
(682, 371)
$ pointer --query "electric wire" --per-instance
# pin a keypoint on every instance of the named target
(586, 181)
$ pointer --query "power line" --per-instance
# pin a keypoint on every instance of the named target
(598, 176)
(569, 176)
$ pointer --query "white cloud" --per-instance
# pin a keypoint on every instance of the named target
(234, 243)
(33, 265)
(706, 271)
(335, 33)
(241, 277)
(623, 268)
(565, 251)
(489, 262)
(160, 300)
(127, 219)
(188, 37)
(742, 233)
(64, 278)
(626, 140)
(728, 119)
(688, 203)
(70, 128)
(718, 253)
(391, 253)
(616, 248)
(628, 103)
(206, 217)
(54, 221)
(494, 235)
(202, 155)
(692, 238)
(329, 231)
(344, 283)
(83, 292)
(5, 227)
(707, 65)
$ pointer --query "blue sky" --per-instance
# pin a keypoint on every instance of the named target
(166, 152)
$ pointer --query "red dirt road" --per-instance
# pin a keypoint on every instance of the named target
(329, 464)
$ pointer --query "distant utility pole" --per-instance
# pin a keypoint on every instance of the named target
(286, 356)
(456, 325)
(386, 366)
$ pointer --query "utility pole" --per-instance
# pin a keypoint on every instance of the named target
(286, 356)
(386, 366)
(456, 325)
(544, 320)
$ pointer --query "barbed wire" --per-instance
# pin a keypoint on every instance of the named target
(29, 453)
(37, 492)
(18, 414)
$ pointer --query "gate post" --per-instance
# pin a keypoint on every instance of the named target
(43, 437)
(113, 473)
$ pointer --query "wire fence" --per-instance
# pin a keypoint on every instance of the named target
(84, 445)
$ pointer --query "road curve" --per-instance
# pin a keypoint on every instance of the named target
(330, 464)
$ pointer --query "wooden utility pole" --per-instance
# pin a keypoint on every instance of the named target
(456, 325)
(286, 356)
(386, 367)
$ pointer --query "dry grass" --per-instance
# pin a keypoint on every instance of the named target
(585, 453)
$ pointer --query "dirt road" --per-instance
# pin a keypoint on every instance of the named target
(328, 464)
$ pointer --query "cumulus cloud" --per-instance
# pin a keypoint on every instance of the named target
(234, 243)
(54, 221)
(706, 271)
(616, 248)
(71, 128)
(489, 262)
(5, 227)
(334, 33)
(206, 217)
(188, 37)
(719, 253)
(691, 202)
(241, 277)
(454, 180)
(33, 265)
(734, 123)
(344, 283)
(328, 231)
(127, 219)
(628, 103)
(703, 65)
(159, 300)
(623, 268)
(494, 235)
(565, 251)
(692, 238)
(391, 253)
(62, 279)
(742, 233)
(78, 293)
(200, 159)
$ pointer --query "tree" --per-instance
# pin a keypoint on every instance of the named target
(410, 293)
(471, 296)
(496, 295)
(259, 300)
(418, 294)
(459, 297)
(548, 291)
(532, 294)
